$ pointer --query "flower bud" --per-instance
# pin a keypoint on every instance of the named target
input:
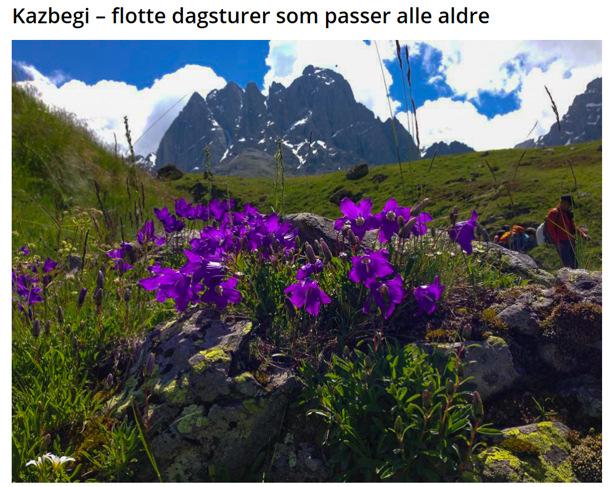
(328, 255)
(36, 328)
(352, 237)
(408, 227)
(450, 387)
(477, 407)
(81, 297)
(149, 365)
(47, 327)
(100, 280)
(420, 206)
(127, 294)
(108, 383)
(311, 255)
(60, 315)
(98, 296)
(426, 398)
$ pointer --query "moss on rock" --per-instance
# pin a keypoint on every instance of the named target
(533, 453)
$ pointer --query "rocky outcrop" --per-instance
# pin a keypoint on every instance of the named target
(581, 123)
(206, 417)
(514, 262)
(446, 149)
(358, 171)
(537, 452)
(489, 364)
(316, 119)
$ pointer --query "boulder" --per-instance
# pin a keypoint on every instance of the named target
(585, 391)
(169, 173)
(358, 171)
(339, 193)
(515, 262)
(313, 227)
(296, 461)
(538, 452)
(206, 418)
(488, 363)
(586, 284)
(520, 318)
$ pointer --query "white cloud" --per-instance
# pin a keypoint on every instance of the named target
(503, 67)
(445, 119)
(103, 105)
(356, 61)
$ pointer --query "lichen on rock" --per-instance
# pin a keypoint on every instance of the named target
(538, 452)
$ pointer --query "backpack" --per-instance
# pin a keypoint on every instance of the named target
(542, 235)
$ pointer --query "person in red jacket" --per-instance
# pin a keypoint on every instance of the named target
(562, 231)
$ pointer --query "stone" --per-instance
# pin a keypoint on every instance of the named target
(586, 391)
(515, 262)
(519, 318)
(206, 419)
(313, 227)
(169, 173)
(296, 461)
(538, 452)
(489, 363)
(587, 284)
(358, 171)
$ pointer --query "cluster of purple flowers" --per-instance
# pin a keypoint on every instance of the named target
(392, 220)
(206, 276)
(29, 281)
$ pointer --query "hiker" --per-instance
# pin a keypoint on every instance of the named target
(515, 238)
(561, 230)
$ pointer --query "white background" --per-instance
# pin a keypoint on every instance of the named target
(509, 20)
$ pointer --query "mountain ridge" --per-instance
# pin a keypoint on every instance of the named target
(318, 122)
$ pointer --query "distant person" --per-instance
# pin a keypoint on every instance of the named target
(561, 231)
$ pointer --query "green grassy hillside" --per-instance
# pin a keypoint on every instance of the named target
(57, 165)
(535, 183)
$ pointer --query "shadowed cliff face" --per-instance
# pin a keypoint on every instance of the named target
(317, 119)
(581, 123)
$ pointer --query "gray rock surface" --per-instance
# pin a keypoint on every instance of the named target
(205, 418)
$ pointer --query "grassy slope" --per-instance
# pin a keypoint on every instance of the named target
(463, 181)
(55, 164)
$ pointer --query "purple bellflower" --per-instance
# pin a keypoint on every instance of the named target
(464, 232)
(357, 216)
(386, 295)
(308, 295)
(427, 296)
(169, 221)
(372, 265)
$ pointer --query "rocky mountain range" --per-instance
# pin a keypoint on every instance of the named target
(446, 149)
(318, 122)
(581, 123)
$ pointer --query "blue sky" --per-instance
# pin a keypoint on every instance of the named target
(486, 94)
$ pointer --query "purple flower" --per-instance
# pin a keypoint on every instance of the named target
(308, 295)
(420, 227)
(308, 269)
(385, 294)
(207, 268)
(358, 216)
(118, 256)
(49, 265)
(427, 296)
(147, 234)
(388, 219)
(372, 265)
(27, 289)
(169, 221)
(24, 249)
(464, 232)
(170, 284)
(222, 294)
(218, 208)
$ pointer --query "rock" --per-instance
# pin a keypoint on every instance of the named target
(586, 392)
(587, 284)
(515, 262)
(313, 227)
(358, 171)
(296, 462)
(207, 419)
(538, 452)
(489, 363)
(339, 193)
(379, 178)
(520, 318)
(169, 172)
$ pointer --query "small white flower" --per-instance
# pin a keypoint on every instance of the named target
(54, 460)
